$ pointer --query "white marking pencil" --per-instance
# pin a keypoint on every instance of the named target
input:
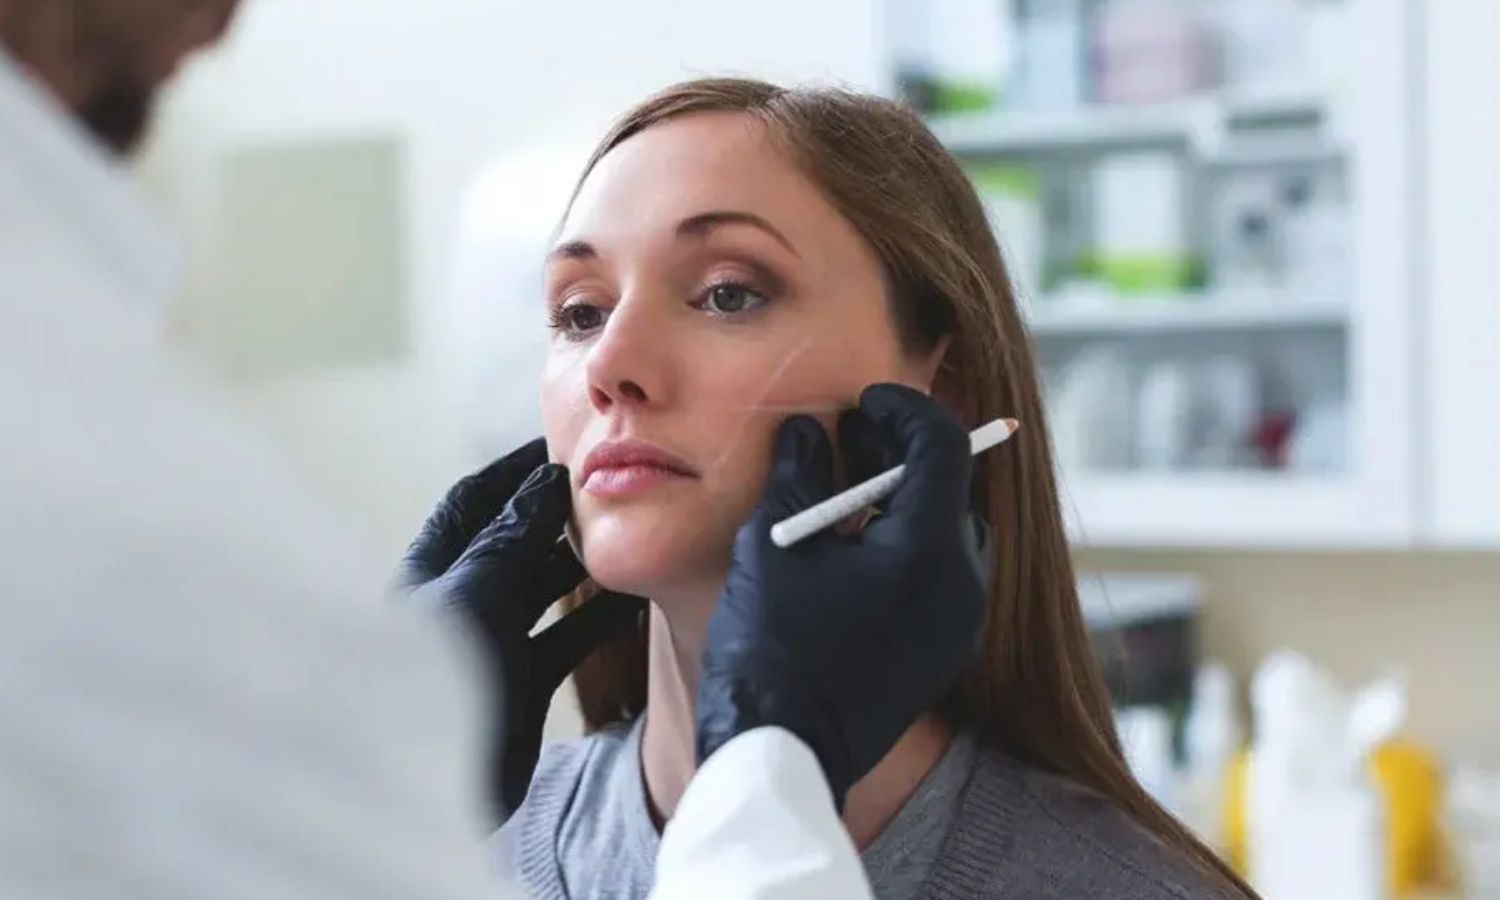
(845, 504)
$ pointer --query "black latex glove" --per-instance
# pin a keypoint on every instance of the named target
(491, 551)
(846, 640)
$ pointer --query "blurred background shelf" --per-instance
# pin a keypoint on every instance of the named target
(1279, 103)
(1215, 218)
(1197, 122)
(1187, 315)
(1270, 509)
(1269, 152)
(1020, 132)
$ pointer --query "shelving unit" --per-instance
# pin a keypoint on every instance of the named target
(1362, 329)
(1194, 122)
(1186, 315)
(1199, 123)
(1227, 510)
(1291, 101)
(1254, 153)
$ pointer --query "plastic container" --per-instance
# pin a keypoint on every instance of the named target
(1143, 247)
(1150, 51)
(1265, 45)
(1164, 433)
(1211, 738)
(1053, 60)
(1317, 819)
(970, 56)
(1473, 825)
(1012, 198)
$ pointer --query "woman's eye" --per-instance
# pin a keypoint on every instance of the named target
(730, 299)
(575, 319)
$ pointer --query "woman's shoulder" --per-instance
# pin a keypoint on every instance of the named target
(1049, 836)
(575, 775)
(573, 785)
(576, 760)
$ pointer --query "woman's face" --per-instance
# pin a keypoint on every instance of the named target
(702, 290)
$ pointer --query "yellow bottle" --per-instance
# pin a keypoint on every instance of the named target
(1409, 781)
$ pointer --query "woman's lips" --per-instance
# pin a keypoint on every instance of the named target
(623, 468)
(615, 482)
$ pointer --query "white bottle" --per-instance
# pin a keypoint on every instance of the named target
(1139, 226)
(970, 50)
(1316, 238)
(1092, 411)
(1211, 737)
(1053, 56)
(1316, 821)
(1164, 416)
(1265, 45)
(1146, 738)
(1229, 403)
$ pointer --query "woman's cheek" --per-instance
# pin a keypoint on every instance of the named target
(564, 401)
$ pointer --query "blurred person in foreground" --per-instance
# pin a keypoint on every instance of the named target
(197, 696)
(194, 698)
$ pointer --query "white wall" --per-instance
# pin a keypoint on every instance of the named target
(461, 82)
(1462, 181)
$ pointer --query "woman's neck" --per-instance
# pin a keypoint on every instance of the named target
(669, 757)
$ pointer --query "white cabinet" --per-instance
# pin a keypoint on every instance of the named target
(1461, 302)
(1339, 366)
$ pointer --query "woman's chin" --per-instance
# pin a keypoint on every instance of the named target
(620, 561)
(632, 570)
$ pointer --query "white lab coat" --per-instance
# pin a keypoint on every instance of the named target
(203, 692)
(199, 695)
(757, 822)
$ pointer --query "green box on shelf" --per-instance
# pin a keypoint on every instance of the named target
(1009, 180)
(952, 96)
(1143, 274)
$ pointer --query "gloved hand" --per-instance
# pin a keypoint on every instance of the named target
(846, 640)
(491, 552)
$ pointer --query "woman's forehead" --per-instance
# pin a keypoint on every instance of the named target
(688, 165)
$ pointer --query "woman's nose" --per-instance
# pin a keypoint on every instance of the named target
(625, 364)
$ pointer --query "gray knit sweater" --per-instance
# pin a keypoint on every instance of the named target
(1016, 833)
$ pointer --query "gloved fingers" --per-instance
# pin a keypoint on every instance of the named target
(463, 513)
(563, 645)
(507, 473)
(934, 495)
(866, 448)
(560, 573)
(511, 554)
(982, 549)
(439, 542)
(801, 469)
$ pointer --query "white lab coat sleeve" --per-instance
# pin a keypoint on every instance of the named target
(758, 823)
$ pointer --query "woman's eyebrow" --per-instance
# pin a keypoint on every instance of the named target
(581, 250)
(702, 223)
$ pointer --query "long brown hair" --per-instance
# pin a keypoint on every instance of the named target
(1035, 691)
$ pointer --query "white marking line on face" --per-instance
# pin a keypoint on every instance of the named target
(770, 384)
(805, 409)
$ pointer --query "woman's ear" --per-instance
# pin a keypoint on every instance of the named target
(940, 377)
